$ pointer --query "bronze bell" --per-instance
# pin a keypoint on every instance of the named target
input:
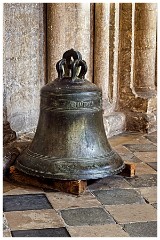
(70, 141)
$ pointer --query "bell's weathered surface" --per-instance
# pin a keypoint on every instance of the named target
(70, 141)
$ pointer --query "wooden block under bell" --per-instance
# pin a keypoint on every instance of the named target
(129, 170)
(75, 187)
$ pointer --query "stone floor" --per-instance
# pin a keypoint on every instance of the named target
(111, 207)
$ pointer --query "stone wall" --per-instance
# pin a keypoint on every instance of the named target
(118, 42)
(24, 67)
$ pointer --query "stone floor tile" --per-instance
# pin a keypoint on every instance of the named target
(141, 147)
(149, 193)
(25, 202)
(118, 182)
(152, 138)
(121, 149)
(24, 190)
(122, 138)
(142, 168)
(7, 186)
(141, 229)
(86, 216)
(33, 219)
(146, 156)
(153, 165)
(132, 212)
(7, 233)
(118, 196)
(109, 182)
(129, 157)
(106, 230)
(48, 232)
(98, 184)
(145, 180)
(139, 140)
(61, 200)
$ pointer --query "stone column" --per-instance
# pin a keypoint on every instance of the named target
(101, 49)
(55, 37)
(24, 71)
(92, 27)
(126, 53)
(106, 63)
(145, 49)
(136, 70)
(113, 54)
(68, 26)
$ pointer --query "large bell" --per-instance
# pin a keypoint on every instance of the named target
(70, 141)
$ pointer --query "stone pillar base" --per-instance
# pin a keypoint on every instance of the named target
(114, 123)
(142, 122)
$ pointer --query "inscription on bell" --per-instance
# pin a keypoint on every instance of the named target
(73, 104)
(63, 104)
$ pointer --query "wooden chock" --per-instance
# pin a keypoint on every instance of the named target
(69, 186)
(129, 170)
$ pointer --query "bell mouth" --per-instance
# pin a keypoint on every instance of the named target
(69, 168)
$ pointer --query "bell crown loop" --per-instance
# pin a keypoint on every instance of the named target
(71, 65)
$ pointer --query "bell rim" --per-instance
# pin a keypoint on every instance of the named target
(88, 175)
